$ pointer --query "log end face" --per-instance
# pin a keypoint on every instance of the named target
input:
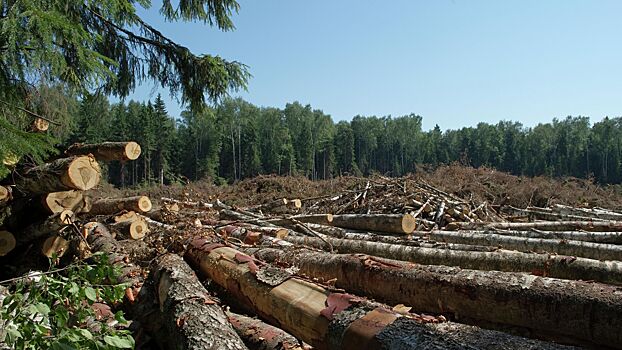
(409, 223)
(132, 150)
(83, 174)
(144, 204)
(4, 194)
(138, 229)
(7, 242)
(55, 246)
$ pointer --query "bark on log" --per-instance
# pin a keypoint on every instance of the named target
(544, 305)
(7, 242)
(564, 247)
(74, 173)
(191, 319)
(546, 214)
(258, 335)
(75, 201)
(107, 151)
(541, 225)
(188, 204)
(53, 225)
(392, 223)
(328, 320)
(251, 237)
(596, 237)
(107, 206)
(599, 213)
(132, 229)
(540, 264)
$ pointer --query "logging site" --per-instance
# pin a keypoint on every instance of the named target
(298, 175)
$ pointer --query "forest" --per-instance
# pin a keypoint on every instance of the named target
(235, 139)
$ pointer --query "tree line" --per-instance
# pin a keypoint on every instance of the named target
(236, 140)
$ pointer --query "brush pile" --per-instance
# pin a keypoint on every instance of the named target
(374, 263)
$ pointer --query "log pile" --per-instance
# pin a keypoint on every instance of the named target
(387, 264)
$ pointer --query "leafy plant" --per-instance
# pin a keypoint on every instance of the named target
(66, 309)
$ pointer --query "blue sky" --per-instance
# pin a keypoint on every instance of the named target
(454, 62)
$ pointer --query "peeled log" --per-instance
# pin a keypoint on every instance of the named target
(7, 242)
(107, 206)
(107, 151)
(543, 305)
(259, 335)
(190, 318)
(75, 201)
(328, 320)
(132, 229)
(74, 173)
(557, 266)
(540, 225)
(538, 245)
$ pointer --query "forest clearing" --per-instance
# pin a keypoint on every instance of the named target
(452, 259)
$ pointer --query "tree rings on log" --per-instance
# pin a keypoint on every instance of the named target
(76, 201)
(55, 246)
(136, 229)
(7, 242)
(107, 151)
(39, 125)
(5, 194)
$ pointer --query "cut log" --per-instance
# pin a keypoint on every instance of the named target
(107, 206)
(538, 245)
(54, 246)
(596, 237)
(258, 335)
(75, 201)
(107, 151)
(5, 195)
(251, 237)
(540, 225)
(557, 266)
(392, 223)
(191, 319)
(125, 216)
(39, 125)
(187, 204)
(74, 173)
(7, 242)
(132, 229)
(543, 305)
(332, 320)
(53, 225)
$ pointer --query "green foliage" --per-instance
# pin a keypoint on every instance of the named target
(55, 310)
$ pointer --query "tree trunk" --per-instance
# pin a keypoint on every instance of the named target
(132, 229)
(596, 237)
(544, 305)
(191, 319)
(541, 225)
(541, 264)
(328, 320)
(53, 225)
(7, 242)
(74, 173)
(107, 206)
(75, 201)
(258, 335)
(559, 246)
(107, 151)
(391, 223)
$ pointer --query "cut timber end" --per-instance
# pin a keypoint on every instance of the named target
(83, 173)
(4, 194)
(127, 216)
(56, 202)
(132, 150)
(297, 203)
(66, 217)
(55, 246)
(409, 223)
(7, 242)
(10, 159)
(138, 229)
(281, 233)
(107, 151)
(144, 204)
(39, 125)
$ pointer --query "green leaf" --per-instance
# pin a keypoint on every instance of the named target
(86, 334)
(42, 308)
(90, 294)
(118, 342)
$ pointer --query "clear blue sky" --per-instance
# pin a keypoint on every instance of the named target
(455, 62)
